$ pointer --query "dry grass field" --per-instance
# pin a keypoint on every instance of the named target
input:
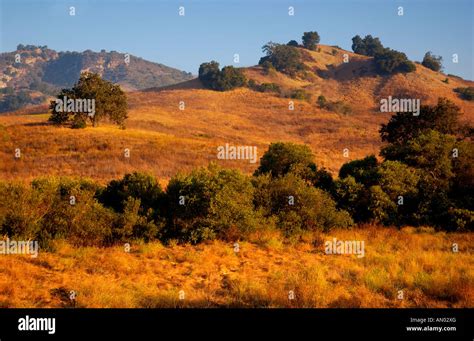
(163, 139)
(261, 274)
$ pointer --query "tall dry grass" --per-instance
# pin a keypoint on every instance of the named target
(261, 274)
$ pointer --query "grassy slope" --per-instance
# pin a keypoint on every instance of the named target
(260, 275)
(163, 140)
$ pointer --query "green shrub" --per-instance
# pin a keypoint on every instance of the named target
(110, 102)
(394, 200)
(389, 61)
(461, 219)
(135, 185)
(367, 46)
(21, 211)
(209, 203)
(281, 158)
(131, 224)
(45, 211)
(297, 205)
(432, 62)
(293, 43)
(353, 197)
(310, 40)
(466, 93)
(283, 58)
(269, 87)
(300, 94)
(364, 170)
(222, 80)
(322, 101)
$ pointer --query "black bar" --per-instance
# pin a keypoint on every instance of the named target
(293, 324)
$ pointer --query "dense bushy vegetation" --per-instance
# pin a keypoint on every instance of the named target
(222, 80)
(426, 177)
(367, 46)
(390, 61)
(466, 93)
(110, 102)
(264, 87)
(15, 101)
(212, 202)
(283, 58)
(432, 62)
(310, 40)
(387, 61)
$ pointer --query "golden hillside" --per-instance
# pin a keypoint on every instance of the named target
(162, 139)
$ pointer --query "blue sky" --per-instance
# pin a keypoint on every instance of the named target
(215, 30)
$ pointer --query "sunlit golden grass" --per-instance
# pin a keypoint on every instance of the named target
(261, 274)
(163, 139)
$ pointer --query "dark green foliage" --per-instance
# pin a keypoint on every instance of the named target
(230, 78)
(404, 126)
(389, 61)
(7, 91)
(283, 58)
(222, 80)
(363, 171)
(139, 186)
(293, 43)
(310, 40)
(353, 197)
(300, 94)
(296, 205)
(78, 122)
(44, 212)
(435, 148)
(461, 219)
(281, 158)
(393, 200)
(462, 185)
(209, 73)
(110, 102)
(209, 203)
(385, 193)
(367, 46)
(466, 93)
(11, 102)
(431, 153)
(284, 158)
(133, 223)
(432, 62)
(268, 87)
(322, 101)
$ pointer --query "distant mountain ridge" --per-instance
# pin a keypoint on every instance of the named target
(42, 71)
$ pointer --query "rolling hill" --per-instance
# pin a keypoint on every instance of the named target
(162, 139)
(41, 71)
